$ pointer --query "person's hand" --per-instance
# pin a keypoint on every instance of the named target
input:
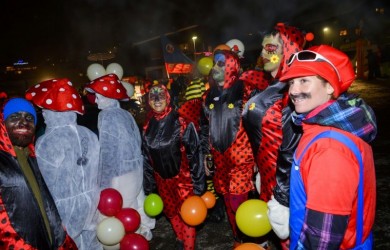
(258, 182)
(279, 216)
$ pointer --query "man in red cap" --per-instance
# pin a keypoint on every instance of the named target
(121, 160)
(332, 183)
(68, 157)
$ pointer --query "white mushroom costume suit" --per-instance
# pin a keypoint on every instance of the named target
(121, 160)
(68, 157)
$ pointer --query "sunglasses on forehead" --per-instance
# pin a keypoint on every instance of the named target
(311, 56)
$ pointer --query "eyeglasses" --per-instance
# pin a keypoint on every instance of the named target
(311, 56)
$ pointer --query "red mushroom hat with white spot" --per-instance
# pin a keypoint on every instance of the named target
(108, 86)
(56, 95)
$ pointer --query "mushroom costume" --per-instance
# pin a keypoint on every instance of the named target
(68, 157)
(121, 160)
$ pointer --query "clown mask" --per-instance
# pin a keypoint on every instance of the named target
(218, 70)
(272, 53)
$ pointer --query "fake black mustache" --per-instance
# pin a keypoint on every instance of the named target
(300, 95)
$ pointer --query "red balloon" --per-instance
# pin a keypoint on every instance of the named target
(134, 241)
(130, 219)
(110, 202)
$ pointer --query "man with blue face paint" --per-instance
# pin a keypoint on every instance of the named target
(223, 136)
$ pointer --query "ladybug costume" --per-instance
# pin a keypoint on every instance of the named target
(223, 135)
(173, 165)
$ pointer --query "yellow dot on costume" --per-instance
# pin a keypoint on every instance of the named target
(211, 106)
(252, 106)
(230, 105)
(274, 59)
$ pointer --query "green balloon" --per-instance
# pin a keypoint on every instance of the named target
(153, 205)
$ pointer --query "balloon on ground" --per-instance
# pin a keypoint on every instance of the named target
(209, 199)
(193, 210)
(110, 202)
(249, 246)
(153, 205)
(110, 231)
(130, 219)
(134, 241)
(252, 218)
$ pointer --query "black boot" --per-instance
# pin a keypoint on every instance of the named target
(217, 213)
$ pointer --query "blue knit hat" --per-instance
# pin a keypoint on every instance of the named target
(18, 104)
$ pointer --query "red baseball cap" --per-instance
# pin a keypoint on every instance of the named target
(325, 61)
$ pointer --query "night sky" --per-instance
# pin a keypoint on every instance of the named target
(71, 29)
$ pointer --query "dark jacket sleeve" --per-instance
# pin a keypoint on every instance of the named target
(291, 136)
(149, 183)
(195, 157)
(204, 132)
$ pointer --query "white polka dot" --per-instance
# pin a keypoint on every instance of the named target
(112, 82)
(54, 80)
(62, 90)
(69, 105)
(44, 89)
(70, 84)
(118, 90)
(37, 86)
(102, 80)
(49, 101)
(74, 96)
(33, 93)
(82, 107)
(105, 88)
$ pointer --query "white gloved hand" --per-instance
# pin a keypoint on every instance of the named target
(258, 183)
(279, 216)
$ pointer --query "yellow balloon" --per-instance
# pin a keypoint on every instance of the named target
(252, 218)
(204, 65)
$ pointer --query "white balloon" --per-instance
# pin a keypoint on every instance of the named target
(237, 46)
(110, 231)
(114, 247)
(95, 70)
(115, 68)
(129, 88)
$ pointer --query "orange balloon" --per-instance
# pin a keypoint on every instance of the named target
(193, 210)
(209, 199)
(249, 246)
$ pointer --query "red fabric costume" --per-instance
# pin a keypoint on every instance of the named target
(222, 134)
(174, 164)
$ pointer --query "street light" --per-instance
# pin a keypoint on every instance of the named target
(326, 32)
(194, 39)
